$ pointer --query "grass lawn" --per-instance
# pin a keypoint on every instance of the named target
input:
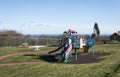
(108, 67)
(5, 51)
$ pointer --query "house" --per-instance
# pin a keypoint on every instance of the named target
(115, 36)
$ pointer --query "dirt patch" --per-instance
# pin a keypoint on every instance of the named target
(82, 58)
(21, 63)
(8, 55)
(5, 56)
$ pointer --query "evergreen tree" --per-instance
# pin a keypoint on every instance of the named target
(96, 31)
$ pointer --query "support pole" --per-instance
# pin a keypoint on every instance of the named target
(75, 54)
(89, 51)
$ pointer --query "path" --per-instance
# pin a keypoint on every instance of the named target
(5, 56)
(20, 63)
(8, 55)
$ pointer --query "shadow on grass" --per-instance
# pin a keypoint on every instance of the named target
(29, 55)
(49, 58)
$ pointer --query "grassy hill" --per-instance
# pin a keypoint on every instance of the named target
(109, 66)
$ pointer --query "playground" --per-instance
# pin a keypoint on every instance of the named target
(70, 42)
(22, 62)
(68, 59)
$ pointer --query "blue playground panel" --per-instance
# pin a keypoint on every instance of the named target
(90, 42)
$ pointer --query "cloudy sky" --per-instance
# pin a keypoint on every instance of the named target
(56, 16)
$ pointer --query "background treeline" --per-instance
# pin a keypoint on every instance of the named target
(9, 38)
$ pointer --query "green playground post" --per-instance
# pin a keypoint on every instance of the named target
(75, 54)
(93, 50)
(89, 51)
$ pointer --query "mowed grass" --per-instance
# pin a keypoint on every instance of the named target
(5, 51)
(28, 54)
(21, 58)
(108, 67)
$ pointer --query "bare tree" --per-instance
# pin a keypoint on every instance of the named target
(10, 33)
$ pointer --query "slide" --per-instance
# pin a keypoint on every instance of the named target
(67, 52)
(56, 49)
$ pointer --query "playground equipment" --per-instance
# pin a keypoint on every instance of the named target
(90, 44)
(87, 45)
(71, 41)
(36, 48)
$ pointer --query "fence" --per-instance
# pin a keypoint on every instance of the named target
(18, 41)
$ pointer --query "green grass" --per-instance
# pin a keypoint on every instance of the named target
(29, 55)
(108, 67)
(56, 70)
(21, 58)
(5, 51)
(50, 70)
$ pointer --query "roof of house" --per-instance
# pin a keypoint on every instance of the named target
(118, 33)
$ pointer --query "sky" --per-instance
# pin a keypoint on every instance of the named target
(56, 16)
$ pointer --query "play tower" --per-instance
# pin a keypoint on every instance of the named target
(70, 41)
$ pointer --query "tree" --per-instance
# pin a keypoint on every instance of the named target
(96, 31)
(10, 38)
(10, 33)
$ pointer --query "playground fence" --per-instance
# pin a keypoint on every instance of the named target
(20, 41)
